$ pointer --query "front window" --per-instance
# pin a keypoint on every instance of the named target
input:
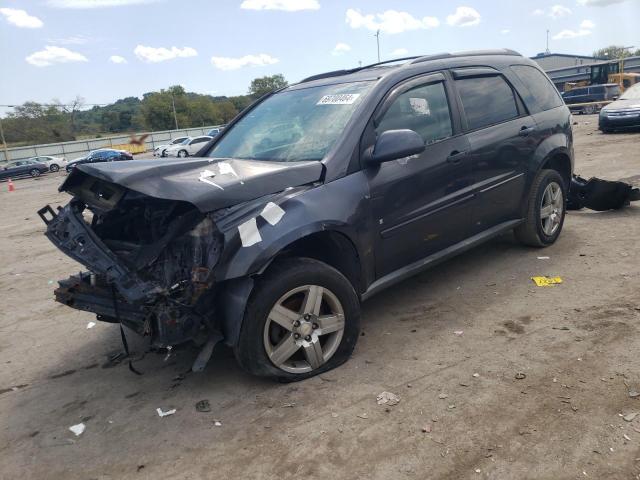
(293, 125)
(632, 93)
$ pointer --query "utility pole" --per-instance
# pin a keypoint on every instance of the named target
(4, 143)
(377, 35)
(173, 104)
(547, 51)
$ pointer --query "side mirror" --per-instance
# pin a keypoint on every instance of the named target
(395, 144)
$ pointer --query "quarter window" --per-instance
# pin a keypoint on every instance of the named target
(486, 101)
(540, 87)
(423, 109)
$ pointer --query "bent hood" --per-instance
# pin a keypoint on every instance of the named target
(207, 183)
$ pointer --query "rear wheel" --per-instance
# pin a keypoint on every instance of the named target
(545, 210)
(302, 319)
(590, 109)
(54, 168)
(35, 172)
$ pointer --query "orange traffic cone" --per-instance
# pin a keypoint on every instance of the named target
(12, 187)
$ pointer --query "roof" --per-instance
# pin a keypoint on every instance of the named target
(565, 55)
(381, 69)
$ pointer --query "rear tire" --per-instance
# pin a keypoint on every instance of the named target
(546, 208)
(285, 287)
(54, 168)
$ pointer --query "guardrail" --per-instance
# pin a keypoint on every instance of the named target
(80, 148)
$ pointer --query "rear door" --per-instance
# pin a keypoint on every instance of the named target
(502, 137)
(420, 204)
(196, 144)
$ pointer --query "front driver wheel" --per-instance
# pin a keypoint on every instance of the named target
(183, 154)
(545, 210)
(35, 172)
(302, 319)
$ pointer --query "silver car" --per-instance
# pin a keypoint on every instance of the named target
(161, 150)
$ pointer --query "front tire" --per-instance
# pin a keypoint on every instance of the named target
(302, 319)
(34, 173)
(546, 208)
(183, 154)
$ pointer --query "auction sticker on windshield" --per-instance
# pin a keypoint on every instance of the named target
(341, 99)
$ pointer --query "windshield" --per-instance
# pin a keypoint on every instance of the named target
(632, 93)
(293, 125)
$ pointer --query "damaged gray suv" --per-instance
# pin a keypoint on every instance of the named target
(315, 198)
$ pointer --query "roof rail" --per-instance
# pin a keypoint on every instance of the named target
(472, 53)
(338, 73)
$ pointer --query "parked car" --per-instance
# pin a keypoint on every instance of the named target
(215, 131)
(54, 163)
(99, 156)
(161, 150)
(593, 93)
(622, 114)
(23, 168)
(189, 147)
(271, 246)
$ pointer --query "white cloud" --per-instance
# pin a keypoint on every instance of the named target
(21, 18)
(599, 3)
(71, 40)
(538, 12)
(161, 54)
(399, 52)
(51, 55)
(117, 59)
(390, 21)
(567, 34)
(505, 31)
(340, 48)
(228, 63)
(587, 25)
(464, 17)
(286, 5)
(96, 3)
(559, 11)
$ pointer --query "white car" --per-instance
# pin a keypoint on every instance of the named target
(161, 150)
(54, 163)
(188, 147)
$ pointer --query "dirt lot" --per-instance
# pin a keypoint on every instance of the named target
(577, 345)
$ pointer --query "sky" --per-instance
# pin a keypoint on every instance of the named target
(103, 50)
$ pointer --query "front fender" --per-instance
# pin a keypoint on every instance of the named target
(338, 206)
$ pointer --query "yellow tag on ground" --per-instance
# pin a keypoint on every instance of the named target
(546, 281)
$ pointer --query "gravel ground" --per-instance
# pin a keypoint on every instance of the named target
(534, 387)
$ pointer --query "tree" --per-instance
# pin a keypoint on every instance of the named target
(615, 52)
(263, 85)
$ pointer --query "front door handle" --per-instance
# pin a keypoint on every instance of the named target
(456, 156)
(526, 131)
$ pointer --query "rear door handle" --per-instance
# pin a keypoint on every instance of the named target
(456, 156)
(526, 131)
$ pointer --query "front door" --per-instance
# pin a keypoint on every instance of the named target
(420, 204)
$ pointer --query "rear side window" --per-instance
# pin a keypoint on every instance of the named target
(423, 109)
(540, 87)
(486, 101)
(598, 90)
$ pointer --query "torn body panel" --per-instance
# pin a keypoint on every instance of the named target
(169, 262)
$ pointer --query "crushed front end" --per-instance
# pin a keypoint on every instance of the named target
(150, 261)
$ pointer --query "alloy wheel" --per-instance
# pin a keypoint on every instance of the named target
(303, 329)
(551, 208)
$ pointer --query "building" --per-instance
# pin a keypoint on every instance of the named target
(552, 61)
